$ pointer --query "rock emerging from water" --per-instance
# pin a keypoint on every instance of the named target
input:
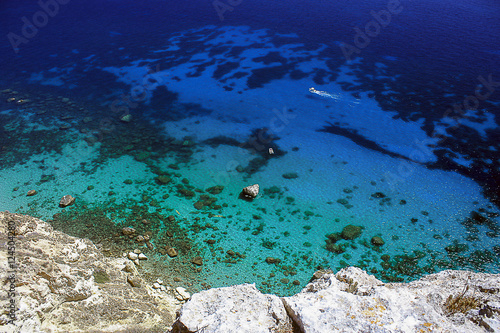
(250, 192)
(66, 201)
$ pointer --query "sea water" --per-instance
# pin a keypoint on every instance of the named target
(371, 129)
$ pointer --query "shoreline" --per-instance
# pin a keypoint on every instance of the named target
(65, 277)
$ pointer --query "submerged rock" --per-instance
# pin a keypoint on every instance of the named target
(215, 189)
(163, 179)
(172, 252)
(351, 232)
(128, 231)
(126, 118)
(290, 175)
(198, 261)
(377, 241)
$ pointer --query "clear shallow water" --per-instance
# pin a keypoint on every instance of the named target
(155, 116)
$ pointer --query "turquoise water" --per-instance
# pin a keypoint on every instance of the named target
(155, 117)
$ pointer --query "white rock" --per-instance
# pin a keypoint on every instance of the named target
(132, 256)
(162, 288)
(241, 309)
(325, 305)
(182, 293)
(56, 294)
(142, 256)
(160, 281)
(66, 201)
(335, 303)
(136, 262)
(156, 285)
(251, 191)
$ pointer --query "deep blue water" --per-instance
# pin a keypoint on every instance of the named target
(419, 65)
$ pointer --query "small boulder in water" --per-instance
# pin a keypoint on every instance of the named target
(377, 241)
(66, 201)
(250, 192)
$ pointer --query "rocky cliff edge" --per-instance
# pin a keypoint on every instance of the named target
(64, 284)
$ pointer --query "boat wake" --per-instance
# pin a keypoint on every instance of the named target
(336, 97)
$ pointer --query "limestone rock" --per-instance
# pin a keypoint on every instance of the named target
(64, 283)
(134, 281)
(330, 303)
(130, 268)
(350, 301)
(132, 256)
(240, 308)
(56, 289)
(66, 201)
(251, 191)
(182, 294)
